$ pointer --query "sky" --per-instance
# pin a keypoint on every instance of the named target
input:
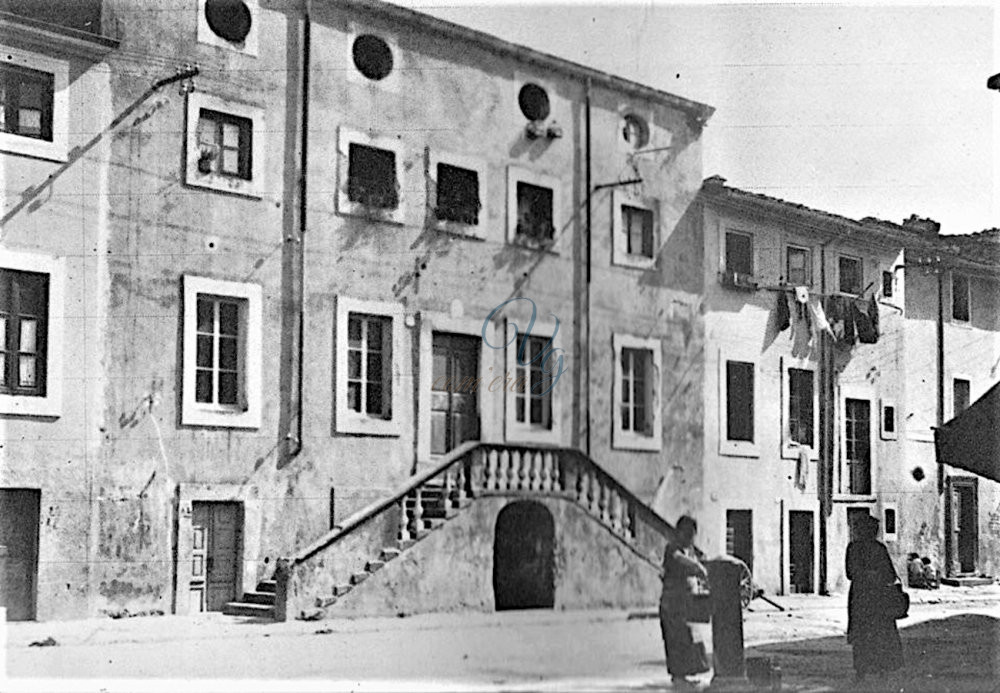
(878, 110)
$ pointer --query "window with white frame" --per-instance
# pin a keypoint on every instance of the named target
(740, 401)
(370, 170)
(533, 202)
(224, 149)
(798, 266)
(857, 478)
(34, 104)
(369, 365)
(31, 323)
(456, 193)
(222, 353)
(635, 233)
(850, 279)
(534, 363)
(890, 522)
(888, 424)
(636, 397)
(960, 298)
(801, 407)
(368, 339)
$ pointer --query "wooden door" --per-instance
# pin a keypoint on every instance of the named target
(964, 526)
(215, 566)
(454, 391)
(19, 510)
(800, 551)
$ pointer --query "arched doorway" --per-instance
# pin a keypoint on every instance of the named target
(523, 557)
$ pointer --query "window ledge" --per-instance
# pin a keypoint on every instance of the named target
(734, 448)
(632, 441)
(520, 433)
(356, 424)
(217, 417)
(961, 324)
(635, 262)
(47, 36)
(520, 242)
(852, 498)
(24, 405)
(472, 232)
(789, 452)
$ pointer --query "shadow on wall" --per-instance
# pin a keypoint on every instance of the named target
(957, 653)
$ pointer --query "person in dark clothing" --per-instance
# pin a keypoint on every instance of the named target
(871, 630)
(683, 573)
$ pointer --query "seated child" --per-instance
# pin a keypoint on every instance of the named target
(915, 571)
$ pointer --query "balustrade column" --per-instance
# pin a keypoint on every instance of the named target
(491, 470)
(418, 512)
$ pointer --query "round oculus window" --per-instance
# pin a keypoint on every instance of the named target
(635, 132)
(372, 56)
(229, 19)
(534, 102)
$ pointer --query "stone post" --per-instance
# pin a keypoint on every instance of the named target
(727, 619)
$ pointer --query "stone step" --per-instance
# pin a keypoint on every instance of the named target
(358, 578)
(267, 586)
(374, 566)
(259, 598)
(388, 554)
(404, 544)
(341, 590)
(245, 609)
(434, 522)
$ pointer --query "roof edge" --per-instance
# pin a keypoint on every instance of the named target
(700, 111)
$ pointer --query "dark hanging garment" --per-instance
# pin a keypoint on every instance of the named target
(873, 314)
(783, 317)
(867, 332)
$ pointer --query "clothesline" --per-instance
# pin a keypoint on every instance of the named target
(838, 294)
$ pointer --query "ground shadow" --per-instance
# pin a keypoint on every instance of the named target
(950, 655)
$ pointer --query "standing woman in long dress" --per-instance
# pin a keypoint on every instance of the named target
(871, 630)
(682, 567)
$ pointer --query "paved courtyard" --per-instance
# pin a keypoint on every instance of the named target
(952, 641)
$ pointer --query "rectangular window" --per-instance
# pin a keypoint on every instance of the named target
(371, 177)
(849, 275)
(219, 363)
(24, 299)
(739, 253)
(225, 144)
(961, 395)
(368, 365)
(887, 284)
(959, 298)
(637, 224)
(739, 401)
(800, 406)
(739, 535)
(889, 522)
(799, 262)
(26, 102)
(533, 401)
(636, 391)
(888, 419)
(534, 212)
(857, 446)
(457, 195)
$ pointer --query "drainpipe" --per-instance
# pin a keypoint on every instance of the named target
(823, 477)
(295, 441)
(587, 164)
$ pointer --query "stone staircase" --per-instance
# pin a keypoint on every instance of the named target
(258, 603)
(429, 500)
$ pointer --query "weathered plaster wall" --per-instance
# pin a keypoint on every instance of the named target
(57, 211)
(452, 568)
(971, 352)
(741, 326)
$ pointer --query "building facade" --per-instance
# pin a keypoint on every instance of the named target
(266, 264)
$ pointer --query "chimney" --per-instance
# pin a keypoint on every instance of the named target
(923, 226)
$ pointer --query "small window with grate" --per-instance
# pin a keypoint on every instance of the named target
(534, 213)
(371, 177)
(457, 195)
